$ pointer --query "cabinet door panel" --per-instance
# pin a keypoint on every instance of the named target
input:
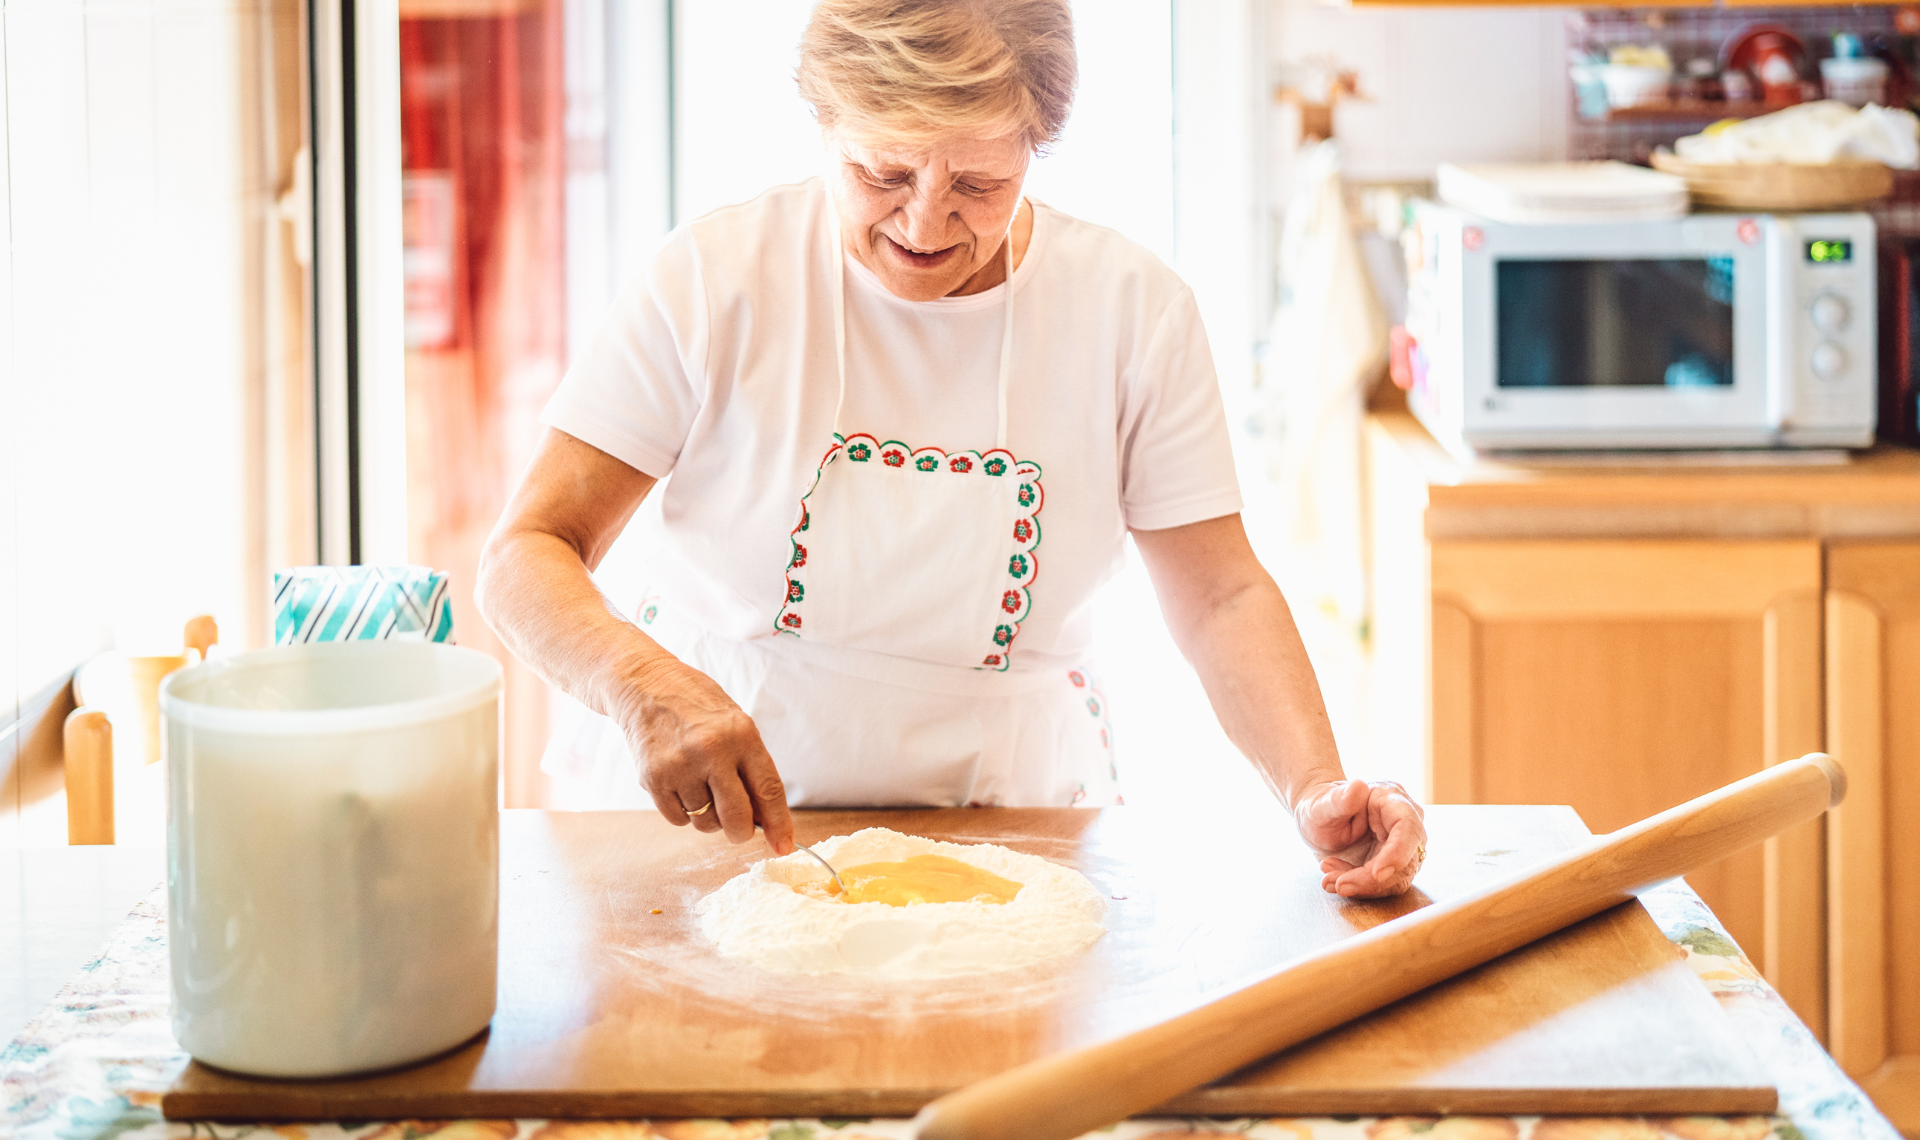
(1873, 729)
(1623, 677)
(1622, 719)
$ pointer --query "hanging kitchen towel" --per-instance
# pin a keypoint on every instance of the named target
(1328, 343)
(360, 603)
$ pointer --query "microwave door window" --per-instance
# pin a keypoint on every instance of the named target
(1617, 323)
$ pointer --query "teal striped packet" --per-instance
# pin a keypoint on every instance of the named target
(361, 603)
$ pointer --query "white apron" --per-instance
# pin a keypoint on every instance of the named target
(888, 679)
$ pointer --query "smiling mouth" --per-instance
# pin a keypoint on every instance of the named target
(917, 260)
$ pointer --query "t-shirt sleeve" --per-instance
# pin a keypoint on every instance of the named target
(636, 389)
(1176, 458)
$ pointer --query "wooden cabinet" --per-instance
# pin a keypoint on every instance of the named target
(1623, 639)
(1873, 845)
(1624, 676)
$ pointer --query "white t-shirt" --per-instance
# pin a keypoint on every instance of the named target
(716, 373)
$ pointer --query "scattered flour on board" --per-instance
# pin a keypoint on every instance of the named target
(758, 917)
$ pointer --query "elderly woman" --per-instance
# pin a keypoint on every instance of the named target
(901, 419)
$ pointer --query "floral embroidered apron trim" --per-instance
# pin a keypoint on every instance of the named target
(1023, 565)
(1096, 705)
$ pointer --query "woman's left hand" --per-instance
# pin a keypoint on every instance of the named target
(1229, 619)
(1372, 836)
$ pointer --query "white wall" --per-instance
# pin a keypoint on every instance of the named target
(1443, 84)
(1114, 164)
(739, 125)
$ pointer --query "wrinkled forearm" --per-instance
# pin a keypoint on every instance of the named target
(1256, 672)
(536, 593)
(1232, 625)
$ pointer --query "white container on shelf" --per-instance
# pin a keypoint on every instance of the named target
(1633, 85)
(332, 854)
(1855, 81)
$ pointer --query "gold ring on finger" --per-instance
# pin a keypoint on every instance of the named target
(701, 810)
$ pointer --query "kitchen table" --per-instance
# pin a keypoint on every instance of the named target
(93, 1063)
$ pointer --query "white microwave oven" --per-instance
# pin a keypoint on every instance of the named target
(1703, 331)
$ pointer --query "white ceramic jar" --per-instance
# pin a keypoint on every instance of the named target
(1633, 85)
(333, 854)
(1855, 81)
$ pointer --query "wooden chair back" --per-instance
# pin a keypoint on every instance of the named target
(88, 736)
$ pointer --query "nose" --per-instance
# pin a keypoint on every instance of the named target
(923, 221)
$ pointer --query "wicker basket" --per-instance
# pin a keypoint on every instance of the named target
(1779, 185)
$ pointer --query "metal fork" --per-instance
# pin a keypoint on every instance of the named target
(827, 865)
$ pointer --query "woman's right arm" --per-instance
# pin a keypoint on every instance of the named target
(692, 744)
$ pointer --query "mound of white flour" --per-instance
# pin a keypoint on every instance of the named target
(758, 917)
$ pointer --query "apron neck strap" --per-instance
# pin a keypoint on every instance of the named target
(839, 312)
(840, 326)
(1006, 345)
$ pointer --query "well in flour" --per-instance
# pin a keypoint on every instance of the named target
(915, 881)
(777, 915)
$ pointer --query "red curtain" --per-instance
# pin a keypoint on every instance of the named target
(482, 89)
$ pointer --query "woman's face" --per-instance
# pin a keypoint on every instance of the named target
(927, 220)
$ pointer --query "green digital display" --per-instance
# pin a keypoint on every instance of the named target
(1829, 251)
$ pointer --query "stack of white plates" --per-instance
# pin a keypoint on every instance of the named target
(1562, 191)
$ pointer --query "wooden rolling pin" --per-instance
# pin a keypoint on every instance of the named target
(1064, 1096)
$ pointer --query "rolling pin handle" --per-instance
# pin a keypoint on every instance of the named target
(1836, 775)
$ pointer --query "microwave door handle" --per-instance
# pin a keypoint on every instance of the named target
(1782, 392)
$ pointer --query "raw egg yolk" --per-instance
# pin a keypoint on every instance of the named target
(919, 879)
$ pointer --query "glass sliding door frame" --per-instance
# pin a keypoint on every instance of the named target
(359, 387)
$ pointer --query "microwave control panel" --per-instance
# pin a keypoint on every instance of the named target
(1827, 349)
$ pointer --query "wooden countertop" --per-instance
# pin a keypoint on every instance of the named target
(1875, 495)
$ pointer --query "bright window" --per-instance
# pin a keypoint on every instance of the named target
(138, 355)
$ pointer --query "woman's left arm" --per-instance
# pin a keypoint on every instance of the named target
(1230, 622)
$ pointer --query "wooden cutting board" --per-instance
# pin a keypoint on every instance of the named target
(608, 1010)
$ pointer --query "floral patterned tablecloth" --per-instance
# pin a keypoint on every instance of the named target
(93, 1064)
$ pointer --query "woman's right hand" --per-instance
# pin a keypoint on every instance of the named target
(693, 746)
